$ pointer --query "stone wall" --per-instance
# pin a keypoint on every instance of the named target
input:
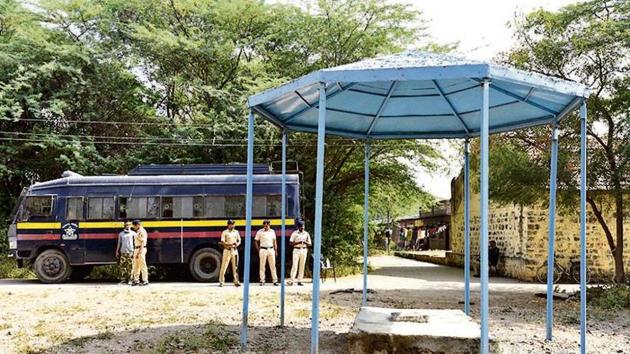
(521, 232)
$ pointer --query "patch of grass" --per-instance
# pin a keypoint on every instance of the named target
(107, 334)
(609, 297)
(331, 312)
(79, 342)
(215, 337)
(9, 270)
(570, 318)
(106, 272)
(302, 313)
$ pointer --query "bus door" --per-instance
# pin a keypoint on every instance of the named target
(165, 235)
(100, 231)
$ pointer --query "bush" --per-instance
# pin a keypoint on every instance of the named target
(610, 297)
(9, 269)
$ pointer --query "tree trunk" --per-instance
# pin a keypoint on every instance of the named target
(618, 252)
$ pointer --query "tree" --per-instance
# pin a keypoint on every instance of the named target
(588, 42)
(98, 85)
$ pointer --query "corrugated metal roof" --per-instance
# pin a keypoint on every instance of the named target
(418, 95)
(162, 180)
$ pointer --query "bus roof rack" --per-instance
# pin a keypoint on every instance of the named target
(197, 169)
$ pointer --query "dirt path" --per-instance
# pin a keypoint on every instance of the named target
(177, 317)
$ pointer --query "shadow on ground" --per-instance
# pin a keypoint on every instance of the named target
(202, 338)
(433, 273)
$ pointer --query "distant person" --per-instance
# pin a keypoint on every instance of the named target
(267, 251)
(230, 240)
(388, 238)
(301, 240)
(140, 271)
(124, 254)
(493, 259)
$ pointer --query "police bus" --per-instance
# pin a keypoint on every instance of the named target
(65, 227)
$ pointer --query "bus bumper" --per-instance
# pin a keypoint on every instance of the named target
(14, 255)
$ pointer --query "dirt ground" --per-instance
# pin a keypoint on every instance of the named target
(175, 317)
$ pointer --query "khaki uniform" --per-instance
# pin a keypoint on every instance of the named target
(267, 253)
(139, 256)
(300, 240)
(231, 240)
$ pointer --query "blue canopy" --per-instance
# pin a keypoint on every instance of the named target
(418, 95)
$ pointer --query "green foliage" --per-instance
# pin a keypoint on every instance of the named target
(587, 42)
(177, 74)
(215, 338)
(609, 297)
(9, 270)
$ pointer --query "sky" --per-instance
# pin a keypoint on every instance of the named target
(481, 29)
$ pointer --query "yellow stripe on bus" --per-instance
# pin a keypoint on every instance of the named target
(155, 223)
(38, 225)
(180, 223)
(101, 224)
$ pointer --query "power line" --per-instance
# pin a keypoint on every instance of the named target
(168, 143)
(181, 141)
(198, 125)
(118, 137)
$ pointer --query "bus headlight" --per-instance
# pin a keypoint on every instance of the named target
(12, 243)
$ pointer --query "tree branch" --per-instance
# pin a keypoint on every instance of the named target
(602, 222)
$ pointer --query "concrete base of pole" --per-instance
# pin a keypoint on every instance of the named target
(381, 330)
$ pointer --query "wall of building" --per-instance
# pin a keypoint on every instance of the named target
(521, 232)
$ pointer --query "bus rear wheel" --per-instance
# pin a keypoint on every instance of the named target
(205, 264)
(52, 266)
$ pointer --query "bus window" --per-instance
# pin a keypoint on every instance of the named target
(167, 207)
(183, 207)
(235, 206)
(274, 205)
(136, 207)
(215, 206)
(122, 207)
(153, 207)
(260, 205)
(100, 208)
(197, 207)
(37, 208)
(74, 208)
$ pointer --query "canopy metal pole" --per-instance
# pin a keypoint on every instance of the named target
(467, 226)
(366, 203)
(319, 193)
(551, 252)
(248, 226)
(583, 227)
(483, 237)
(283, 211)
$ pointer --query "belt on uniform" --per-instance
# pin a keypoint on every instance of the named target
(138, 247)
(267, 248)
(300, 246)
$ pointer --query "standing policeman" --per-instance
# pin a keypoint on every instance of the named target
(140, 254)
(230, 240)
(267, 251)
(300, 240)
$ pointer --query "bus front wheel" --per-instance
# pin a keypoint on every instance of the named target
(52, 266)
(205, 264)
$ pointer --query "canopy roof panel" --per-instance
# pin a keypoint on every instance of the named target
(417, 95)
